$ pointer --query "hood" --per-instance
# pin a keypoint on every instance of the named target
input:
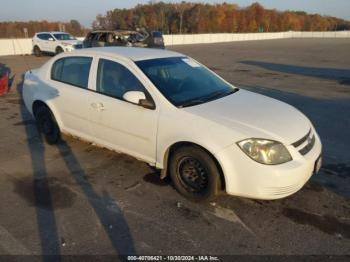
(72, 42)
(254, 115)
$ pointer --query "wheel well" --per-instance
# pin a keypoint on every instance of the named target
(177, 145)
(36, 105)
(57, 47)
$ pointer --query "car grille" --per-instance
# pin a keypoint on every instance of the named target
(79, 46)
(282, 191)
(306, 143)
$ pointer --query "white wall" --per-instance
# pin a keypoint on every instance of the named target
(24, 45)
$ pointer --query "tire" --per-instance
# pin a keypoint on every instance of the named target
(194, 173)
(37, 51)
(59, 50)
(47, 125)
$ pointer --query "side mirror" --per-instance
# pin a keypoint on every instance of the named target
(51, 39)
(138, 98)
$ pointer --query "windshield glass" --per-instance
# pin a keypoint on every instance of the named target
(64, 37)
(183, 81)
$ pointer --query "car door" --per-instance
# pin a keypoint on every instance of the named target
(88, 40)
(70, 77)
(51, 43)
(43, 42)
(100, 40)
(119, 124)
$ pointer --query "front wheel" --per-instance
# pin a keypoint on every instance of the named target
(194, 173)
(47, 124)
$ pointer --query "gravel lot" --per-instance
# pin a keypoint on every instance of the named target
(75, 198)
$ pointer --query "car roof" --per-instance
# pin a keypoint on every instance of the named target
(52, 32)
(133, 53)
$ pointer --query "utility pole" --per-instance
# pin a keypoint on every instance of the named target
(25, 30)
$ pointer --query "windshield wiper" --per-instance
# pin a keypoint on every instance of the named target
(219, 94)
(192, 102)
(212, 96)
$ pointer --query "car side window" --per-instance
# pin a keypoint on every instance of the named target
(96, 36)
(56, 70)
(72, 70)
(115, 80)
(43, 36)
(102, 37)
(90, 37)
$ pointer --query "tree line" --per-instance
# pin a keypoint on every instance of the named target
(187, 17)
(17, 29)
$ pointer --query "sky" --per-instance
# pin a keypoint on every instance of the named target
(85, 11)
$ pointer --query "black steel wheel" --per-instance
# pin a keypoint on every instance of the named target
(194, 173)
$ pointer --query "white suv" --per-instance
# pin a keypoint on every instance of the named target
(54, 42)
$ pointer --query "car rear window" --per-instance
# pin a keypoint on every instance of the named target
(72, 70)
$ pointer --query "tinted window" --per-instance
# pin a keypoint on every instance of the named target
(90, 36)
(96, 36)
(44, 36)
(40, 36)
(102, 37)
(72, 70)
(115, 80)
(64, 37)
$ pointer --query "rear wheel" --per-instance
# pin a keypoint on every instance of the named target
(37, 51)
(194, 173)
(47, 124)
(59, 50)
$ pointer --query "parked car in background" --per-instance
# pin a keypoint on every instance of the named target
(54, 42)
(140, 38)
(172, 112)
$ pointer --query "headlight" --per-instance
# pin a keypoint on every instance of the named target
(264, 151)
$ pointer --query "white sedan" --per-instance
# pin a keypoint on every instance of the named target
(172, 112)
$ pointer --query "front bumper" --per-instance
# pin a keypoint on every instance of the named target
(70, 48)
(247, 178)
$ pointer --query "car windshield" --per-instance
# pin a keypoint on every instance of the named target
(183, 81)
(64, 37)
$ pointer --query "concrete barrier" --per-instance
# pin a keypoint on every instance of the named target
(23, 46)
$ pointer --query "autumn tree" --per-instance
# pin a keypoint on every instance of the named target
(188, 18)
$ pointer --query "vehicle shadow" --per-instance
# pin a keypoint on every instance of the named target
(46, 221)
(108, 212)
(110, 215)
(340, 75)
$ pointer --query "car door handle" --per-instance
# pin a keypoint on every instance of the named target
(98, 106)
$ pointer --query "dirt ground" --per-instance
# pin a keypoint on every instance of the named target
(75, 198)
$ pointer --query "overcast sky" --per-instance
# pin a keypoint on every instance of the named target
(85, 11)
